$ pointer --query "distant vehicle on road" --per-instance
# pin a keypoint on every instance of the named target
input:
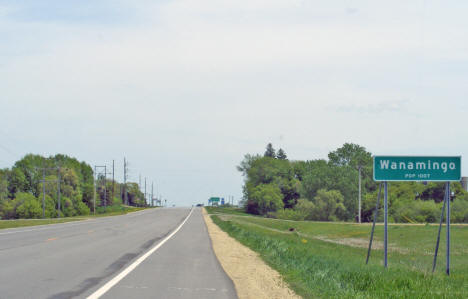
(200, 205)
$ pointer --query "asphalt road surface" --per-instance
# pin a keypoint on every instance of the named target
(157, 253)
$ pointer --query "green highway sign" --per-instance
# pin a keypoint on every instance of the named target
(417, 168)
(214, 199)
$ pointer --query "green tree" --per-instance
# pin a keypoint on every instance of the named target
(315, 175)
(319, 174)
(350, 154)
(8, 208)
(329, 206)
(30, 166)
(306, 208)
(270, 151)
(16, 182)
(267, 198)
(135, 196)
(4, 184)
(460, 209)
(246, 163)
(355, 156)
(347, 161)
(67, 207)
(87, 184)
(309, 180)
(281, 154)
(82, 208)
(289, 189)
(29, 206)
(266, 170)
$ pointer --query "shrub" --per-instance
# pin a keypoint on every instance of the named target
(8, 208)
(459, 210)
(305, 207)
(268, 198)
(68, 209)
(29, 206)
(328, 206)
(417, 211)
(110, 209)
(82, 208)
(50, 204)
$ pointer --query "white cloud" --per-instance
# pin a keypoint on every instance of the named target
(193, 85)
(398, 106)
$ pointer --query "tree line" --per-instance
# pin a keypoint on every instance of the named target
(327, 190)
(22, 188)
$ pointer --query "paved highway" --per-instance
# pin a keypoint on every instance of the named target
(157, 253)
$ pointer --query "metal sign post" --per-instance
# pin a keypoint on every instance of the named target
(386, 223)
(373, 224)
(416, 168)
(440, 228)
(447, 220)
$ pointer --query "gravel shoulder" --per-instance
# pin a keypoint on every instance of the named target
(252, 277)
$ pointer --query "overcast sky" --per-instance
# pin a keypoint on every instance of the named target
(183, 89)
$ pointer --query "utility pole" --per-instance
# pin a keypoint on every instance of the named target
(113, 181)
(359, 216)
(94, 193)
(105, 187)
(146, 202)
(43, 193)
(152, 199)
(125, 183)
(43, 187)
(58, 188)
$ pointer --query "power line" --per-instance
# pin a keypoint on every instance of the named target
(7, 150)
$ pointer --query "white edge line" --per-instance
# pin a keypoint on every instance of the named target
(102, 290)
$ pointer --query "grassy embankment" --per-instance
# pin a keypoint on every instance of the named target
(230, 210)
(111, 211)
(327, 260)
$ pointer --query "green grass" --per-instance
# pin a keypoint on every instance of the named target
(226, 210)
(33, 222)
(315, 268)
(116, 210)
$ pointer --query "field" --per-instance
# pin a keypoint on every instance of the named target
(111, 211)
(230, 210)
(327, 260)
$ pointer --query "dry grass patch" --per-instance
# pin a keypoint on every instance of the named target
(252, 278)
